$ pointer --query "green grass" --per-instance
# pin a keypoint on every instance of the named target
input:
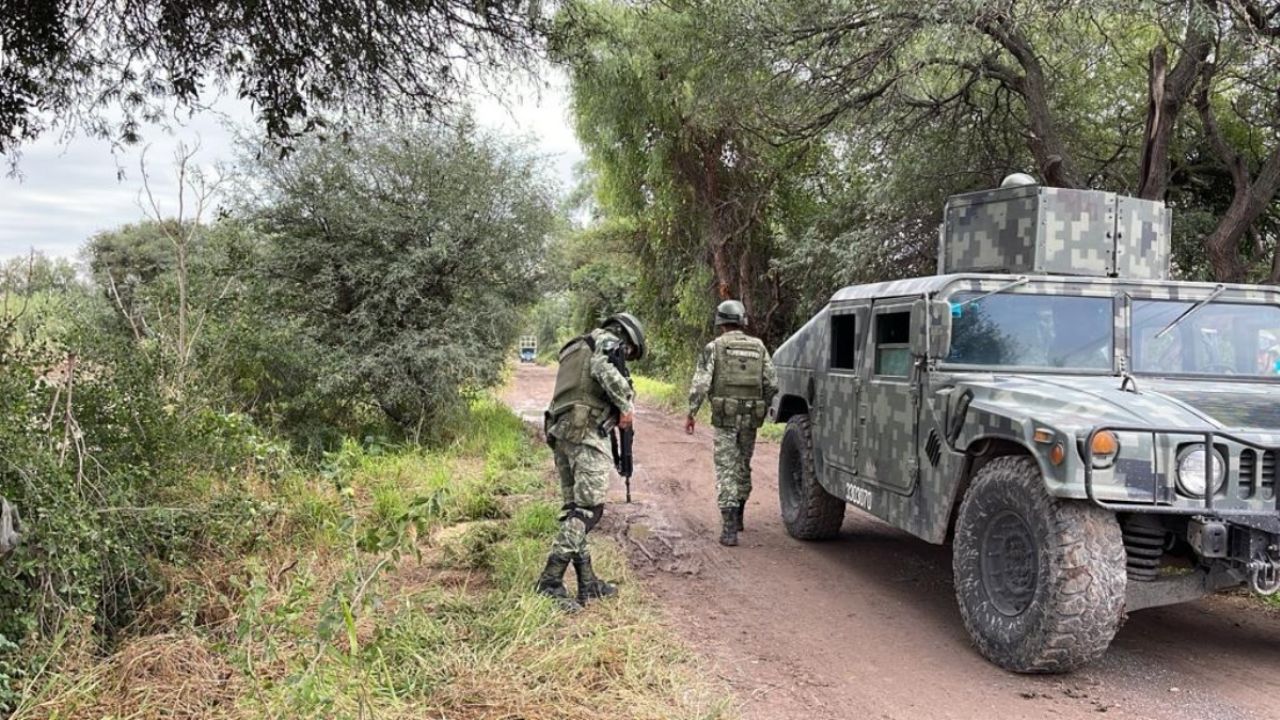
(772, 432)
(396, 584)
(662, 394)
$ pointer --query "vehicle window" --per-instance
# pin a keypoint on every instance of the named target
(893, 344)
(1217, 339)
(1032, 331)
(844, 345)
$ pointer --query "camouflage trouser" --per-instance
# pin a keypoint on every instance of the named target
(584, 480)
(732, 457)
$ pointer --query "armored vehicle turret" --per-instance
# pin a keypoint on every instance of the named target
(1092, 437)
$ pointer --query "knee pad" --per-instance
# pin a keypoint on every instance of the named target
(590, 516)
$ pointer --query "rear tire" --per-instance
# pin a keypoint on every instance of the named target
(808, 510)
(1040, 581)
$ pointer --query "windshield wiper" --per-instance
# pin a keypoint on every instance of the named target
(1186, 313)
(1003, 288)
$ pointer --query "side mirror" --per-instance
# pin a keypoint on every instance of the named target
(930, 329)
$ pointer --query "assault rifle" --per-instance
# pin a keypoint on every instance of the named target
(621, 440)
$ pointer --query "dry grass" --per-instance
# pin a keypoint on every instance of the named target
(440, 625)
(162, 677)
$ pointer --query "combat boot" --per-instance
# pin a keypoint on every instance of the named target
(590, 587)
(729, 526)
(741, 506)
(551, 583)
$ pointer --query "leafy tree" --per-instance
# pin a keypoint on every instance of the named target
(1090, 94)
(409, 255)
(684, 184)
(243, 357)
(123, 260)
(106, 68)
(35, 273)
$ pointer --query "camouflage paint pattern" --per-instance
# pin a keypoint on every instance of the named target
(704, 373)
(616, 388)
(1011, 404)
(1144, 243)
(732, 458)
(584, 479)
(1044, 230)
(582, 455)
(733, 447)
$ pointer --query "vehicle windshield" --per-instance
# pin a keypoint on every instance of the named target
(1032, 331)
(1217, 339)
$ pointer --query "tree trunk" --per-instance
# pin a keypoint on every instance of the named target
(1043, 139)
(1247, 205)
(1223, 244)
(718, 231)
(1167, 93)
(1253, 194)
(1274, 277)
(719, 256)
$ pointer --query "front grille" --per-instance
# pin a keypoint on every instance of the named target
(1257, 479)
(1267, 479)
(1248, 469)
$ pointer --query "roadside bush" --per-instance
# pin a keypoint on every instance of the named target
(410, 255)
(258, 384)
(112, 479)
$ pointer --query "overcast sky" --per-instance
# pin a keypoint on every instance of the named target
(67, 191)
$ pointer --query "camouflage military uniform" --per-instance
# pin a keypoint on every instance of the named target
(583, 459)
(734, 445)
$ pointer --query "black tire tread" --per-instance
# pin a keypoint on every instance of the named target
(821, 513)
(1084, 600)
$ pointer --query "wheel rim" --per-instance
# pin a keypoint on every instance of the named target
(1010, 565)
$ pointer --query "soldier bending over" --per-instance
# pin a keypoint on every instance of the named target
(591, 393)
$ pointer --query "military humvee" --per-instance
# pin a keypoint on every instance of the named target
(1092, 437)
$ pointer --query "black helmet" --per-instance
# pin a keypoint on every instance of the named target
(731, 312)
(633, 329)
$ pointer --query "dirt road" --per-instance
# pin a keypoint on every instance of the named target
(866, 626)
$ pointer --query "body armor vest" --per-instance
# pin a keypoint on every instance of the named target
(576, 391)
(737, 390)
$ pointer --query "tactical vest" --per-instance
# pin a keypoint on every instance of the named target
(577, 392)
(737, 390)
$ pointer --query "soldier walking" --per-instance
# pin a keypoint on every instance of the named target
(737, 374)
(591, 393)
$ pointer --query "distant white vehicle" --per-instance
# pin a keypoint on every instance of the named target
(528, 348)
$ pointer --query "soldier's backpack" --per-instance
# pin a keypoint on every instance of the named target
(737, 391)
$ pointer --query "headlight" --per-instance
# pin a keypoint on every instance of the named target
(1191, 470)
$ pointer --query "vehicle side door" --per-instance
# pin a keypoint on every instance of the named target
(889, 410)
(839, 394)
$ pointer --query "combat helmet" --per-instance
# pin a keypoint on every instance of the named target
(632, 327)
(731, 312)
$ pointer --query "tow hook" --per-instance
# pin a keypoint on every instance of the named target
(1264, 571)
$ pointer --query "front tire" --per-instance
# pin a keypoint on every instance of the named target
(1040, 581)
(808, 511)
